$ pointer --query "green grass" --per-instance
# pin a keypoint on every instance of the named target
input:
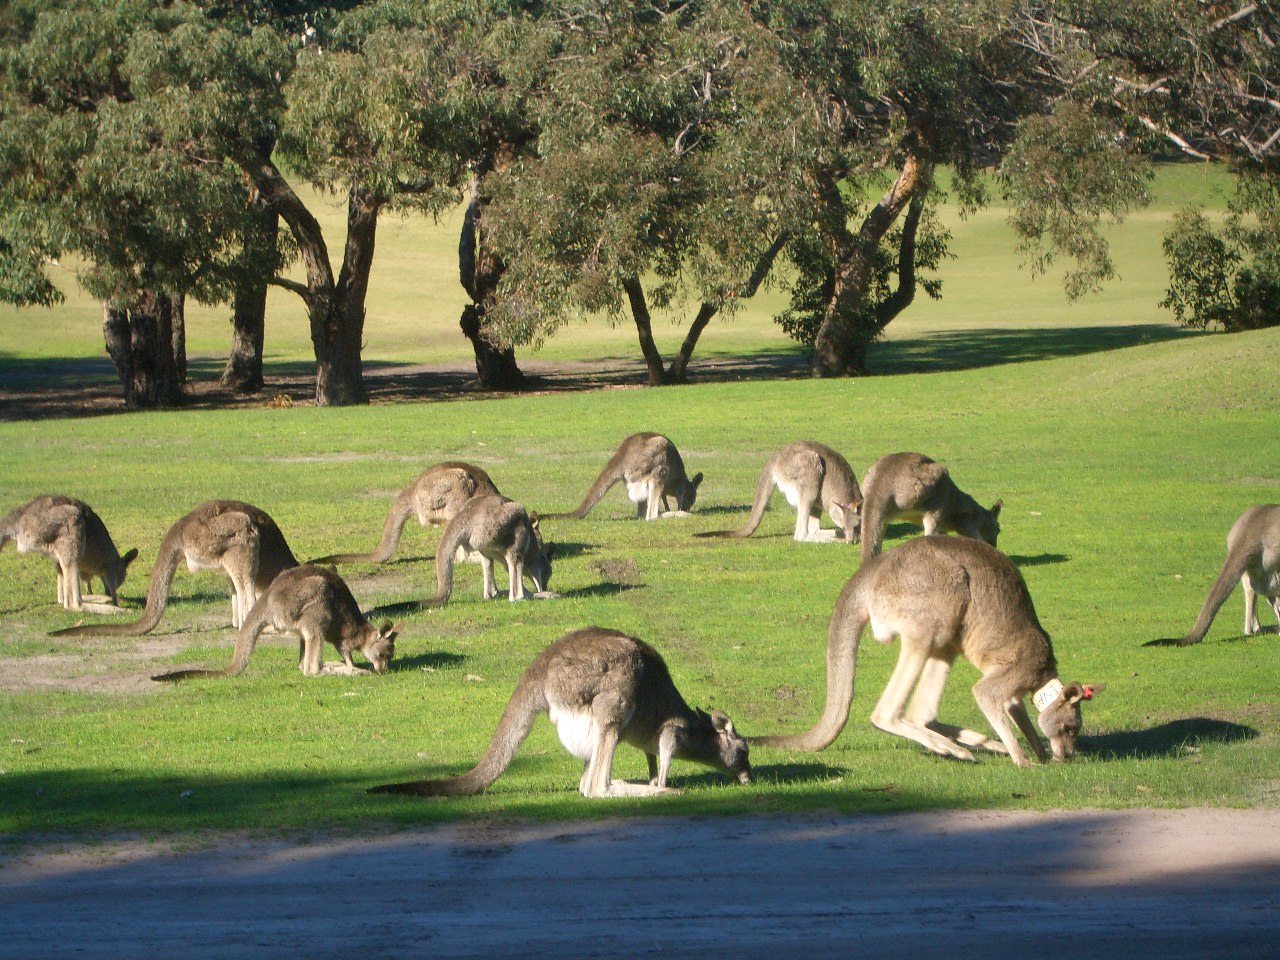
(1120, 471)
(1122, 447)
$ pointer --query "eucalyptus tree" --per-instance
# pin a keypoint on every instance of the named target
(661, 174)
(100, 162)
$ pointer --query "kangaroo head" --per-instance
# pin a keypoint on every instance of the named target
(730, 749)
(1060, 720)
(688, 493)
(537, 564)
(380, 645)
(114, 575)
(989, 523)
(848, 517)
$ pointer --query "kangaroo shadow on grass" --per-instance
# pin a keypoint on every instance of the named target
(438, 660)
(608, 589)
(780, 773)
(1038, 560)
(1166, 739)
(1237, 638)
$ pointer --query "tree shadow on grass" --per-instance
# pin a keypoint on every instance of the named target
(1165, 740)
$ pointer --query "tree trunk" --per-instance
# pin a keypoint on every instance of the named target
(644, 328)
(479, 269)
(179, 322)
(844, 338)
(154, 380)
(243, 372)
(115, 331)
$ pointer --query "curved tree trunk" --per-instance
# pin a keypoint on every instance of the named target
(119, 339)
(644, 329)
(844, 338)
(479, 269)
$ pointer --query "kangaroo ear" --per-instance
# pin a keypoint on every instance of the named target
(995, 509)
(129, 557)
(697, 479)
(721, 722)
(389, 632)
(533, 519)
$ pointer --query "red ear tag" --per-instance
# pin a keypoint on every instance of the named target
(1088, 693)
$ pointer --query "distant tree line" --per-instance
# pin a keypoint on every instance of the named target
(614, 158)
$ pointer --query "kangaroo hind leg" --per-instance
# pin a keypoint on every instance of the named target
(888, 714)
(927, 698)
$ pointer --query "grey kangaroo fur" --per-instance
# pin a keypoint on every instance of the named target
(650, 466)
(1253, 560)
(499, 530)
(914, 487)
(315, 604)
(237, 538)
(814, 478)
(601, 687)
(69, 533)
(437, 494)
(945, 597)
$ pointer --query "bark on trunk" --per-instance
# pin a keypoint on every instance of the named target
(154, 371)
(115, 331)
(243, 372)
(479, 270)
(179, 321)
(644, 329)
(844, 338)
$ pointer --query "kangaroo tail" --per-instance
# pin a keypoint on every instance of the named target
(764, 489)
(397, 517)
(1232, 570)
(246, 640)
(847, 623)
(446, 550)
(162, 572)
(522, 710)
(610, 475)
(874, 520)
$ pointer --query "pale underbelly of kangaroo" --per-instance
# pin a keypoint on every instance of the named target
(576, 729)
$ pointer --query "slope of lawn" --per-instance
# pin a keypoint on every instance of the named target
(1120, 470)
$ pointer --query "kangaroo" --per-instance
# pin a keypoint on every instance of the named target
(600, 687)
(499, 530)
(226, 535)
(814, 478)
(1253, 559)
(316, 604)
(912, 486)
(651, 467)
(437, 494)
(944, 597)
(69, 533)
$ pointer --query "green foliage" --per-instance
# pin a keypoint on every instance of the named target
(1118, 532)
(1227, 276)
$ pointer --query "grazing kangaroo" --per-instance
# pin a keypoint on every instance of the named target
(316, 604)
(814, 478)
(651, 467)
(944, 597)
(437, 494)
(1253, 559)
(69, 533)
(600, 687)
(226, 535)
(911, 486)
(499, 530)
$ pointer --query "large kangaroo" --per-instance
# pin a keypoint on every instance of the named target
(814, 478)
(498, 530)
(651, 467)
(237, 538)
(437, 494)
(1253, 559)
(944, 597)
(315, 604)
(600, 687)
(913, 487)
(69, 533)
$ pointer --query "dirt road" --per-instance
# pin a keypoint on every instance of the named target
(1197, 883)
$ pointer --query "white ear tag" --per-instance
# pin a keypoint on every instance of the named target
(1046, 696)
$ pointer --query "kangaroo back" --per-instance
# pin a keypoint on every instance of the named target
(528, 700)
(848, 620)
(162, 572)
